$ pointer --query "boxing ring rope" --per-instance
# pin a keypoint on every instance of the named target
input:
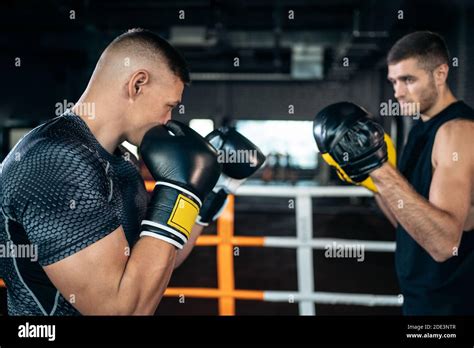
(225, 241)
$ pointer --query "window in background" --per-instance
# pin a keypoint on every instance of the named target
(15, 135)
(291, 138)
(203, 126)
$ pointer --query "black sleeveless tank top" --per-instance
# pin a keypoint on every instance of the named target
(430, 287)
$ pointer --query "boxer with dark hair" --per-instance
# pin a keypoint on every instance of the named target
(430, 198)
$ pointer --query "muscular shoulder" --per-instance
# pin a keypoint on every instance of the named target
(456, 128)
(67, 156)
(454, 142)
(52, 164)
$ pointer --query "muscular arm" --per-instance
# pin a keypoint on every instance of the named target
(436, 224)
(81, 244)
(184, 253)
(385, 209)
(103, 280)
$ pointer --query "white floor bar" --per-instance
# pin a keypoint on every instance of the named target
(334, 298)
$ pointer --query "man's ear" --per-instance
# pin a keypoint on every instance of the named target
(136, 83)
(441, 74)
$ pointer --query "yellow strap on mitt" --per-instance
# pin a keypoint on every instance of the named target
(367, 183)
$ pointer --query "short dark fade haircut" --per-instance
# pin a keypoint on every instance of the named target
(428, 48)
(152, 43)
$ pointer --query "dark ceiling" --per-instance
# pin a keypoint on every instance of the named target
(213, 32)
(59, 42)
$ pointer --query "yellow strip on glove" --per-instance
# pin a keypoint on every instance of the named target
(367, 183)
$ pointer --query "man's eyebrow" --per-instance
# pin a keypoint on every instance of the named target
(401, 77)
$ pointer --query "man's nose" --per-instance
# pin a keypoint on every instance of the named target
(399, 90)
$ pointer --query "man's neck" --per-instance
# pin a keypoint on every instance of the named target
(103, 127)
(443, 102)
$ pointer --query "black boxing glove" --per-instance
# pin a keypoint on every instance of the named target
(240, 158)
(186, 169)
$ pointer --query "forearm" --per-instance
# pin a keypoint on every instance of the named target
(385, 209)
(434, 229)
(145, 278)
(188, 247)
